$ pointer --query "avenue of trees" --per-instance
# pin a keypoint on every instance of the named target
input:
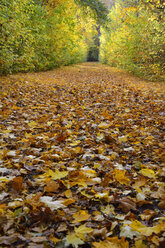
(44, 34)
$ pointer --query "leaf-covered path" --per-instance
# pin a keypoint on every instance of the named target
(81, 159)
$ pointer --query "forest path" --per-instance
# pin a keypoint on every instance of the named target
(81, 159)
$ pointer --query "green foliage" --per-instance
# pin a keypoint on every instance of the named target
(16, 36)
(134, 40)
(40, 35)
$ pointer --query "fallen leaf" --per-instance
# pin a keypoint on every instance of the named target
(32, 124)
(147, 173)
(53, 205)
(80, 216)
(17, 184)
(120, 176)
(126, 204)
(147, 231)
(54, 239)
(112, 243)
(140, 244)
(104, 125)
(72, 239)
(82, 230)
(68, 202)
(128, 232)
(122, 139)
(51, 186)
(54, 175)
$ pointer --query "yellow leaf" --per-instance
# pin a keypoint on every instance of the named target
(73, 240)
(75, 143)
(108, 209)
(90, 173)
(112, 243)
(122, 139)
(104, 125)
(2, 208)
(68, 193)
(82, 230)
(140, 244)
(54, 239)
(102, 195)
(147, 231)
(100, 136)
(4, 179)
(80, 216)
(49, 123)
(68, 202)
(32, 124)
(147, 173)
(77, 149)
(96, 166)
(127, 110)
(85, 194)
(55, 174)
(120, 176)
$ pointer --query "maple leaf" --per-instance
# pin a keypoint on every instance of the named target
(68, 202)
(54, 239)
(147, 231)
(57, 174)
(80, 216)
(17, 184)
(75, 143)
(82, 230)
(128, 232)
(127, 204)
(74, 240)
(120, 176)
(140, 244)
(51, 186)
(112, 243)
(148, 173)
(122, 138)
(32, 124)
(104, 125)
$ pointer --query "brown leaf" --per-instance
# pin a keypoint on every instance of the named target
(17, 184)
(126, 204)
(51, 186)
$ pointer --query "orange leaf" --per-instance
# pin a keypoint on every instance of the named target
(112, 243)
(80, 216)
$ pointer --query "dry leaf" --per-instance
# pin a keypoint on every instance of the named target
(147, 231)
(72, 239)
(32, 124)
(120, 176)
(51, 186)
(80, 216)
(82, 230)
(147, 173)
(112, 243)
(57, 174)
(53, 205)
(126, 204)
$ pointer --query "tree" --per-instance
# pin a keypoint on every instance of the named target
(98, 7)
(134, 41)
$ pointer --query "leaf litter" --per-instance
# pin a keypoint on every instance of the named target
(81, 159)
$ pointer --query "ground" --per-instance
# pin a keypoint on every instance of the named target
(82, 159)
